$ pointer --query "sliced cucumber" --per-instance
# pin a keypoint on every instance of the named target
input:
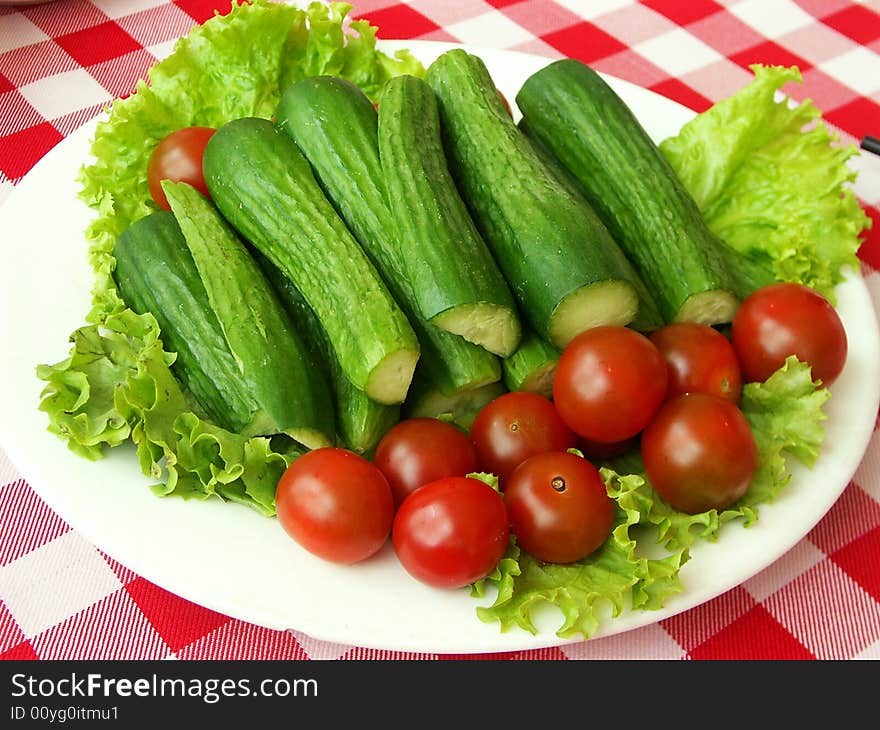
(266, 189)
(273, 361)
(460, 408)
(450, 269)
(573, 111)
(336, 127)
(532, 367)
(549, 243)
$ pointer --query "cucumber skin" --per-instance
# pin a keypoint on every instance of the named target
(446, 261)
(547, 242)
(570, 109)
(533, 354)
(155, 273)
(648, 318)
(360, 421)
(274, 363)
(265, 188)
(460, 408)
(335, 126)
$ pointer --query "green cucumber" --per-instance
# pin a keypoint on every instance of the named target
(155, 273)
(360, 421)
(457, 283)
(532, 367)
(273, 362)
(565, 269)
(335, 126)
(265, 188)
(648, 318)
(461, 408)
(593, 133)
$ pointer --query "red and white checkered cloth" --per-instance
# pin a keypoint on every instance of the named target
(60, 63)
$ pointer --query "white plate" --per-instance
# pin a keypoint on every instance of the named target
(230, 559)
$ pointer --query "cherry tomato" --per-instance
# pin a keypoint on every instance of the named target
(699, 453)
(700, 360)
(609, 383)
(505, 102)
(178, 157)
(515, 426)
(559, 509)
(421, 450)
(788, 319)
(451, 532)
(336, 504)
(598, 451)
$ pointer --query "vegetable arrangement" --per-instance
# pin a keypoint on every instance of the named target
(352, 292)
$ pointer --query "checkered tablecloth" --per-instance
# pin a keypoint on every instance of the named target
(62, 62)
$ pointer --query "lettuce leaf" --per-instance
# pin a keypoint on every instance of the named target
(233, 66)
(785, 413)
(772, 182)
(117, 384)
(614, 577)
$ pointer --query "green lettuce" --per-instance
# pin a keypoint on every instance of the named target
(117, 385)
(613, 578)
(772, 182)
(785, 413)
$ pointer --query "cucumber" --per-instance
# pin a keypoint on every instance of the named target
(360, 421)
(456, 282)
(265, 188)
(532, 367)
(155, 273)
(563, 266)
(648, 317)
(335, 126)
(274, 364)
(592, 132)
(460, 408)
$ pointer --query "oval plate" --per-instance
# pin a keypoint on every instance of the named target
(232, 560)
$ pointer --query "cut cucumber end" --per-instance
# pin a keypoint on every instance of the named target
(603, 303)
(460, 408)
(709, 307)
(541, 380)
(262, 424)
(309, 437)
(390, 379)
(491, 326)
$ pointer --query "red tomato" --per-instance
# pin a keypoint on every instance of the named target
(178, 157)
(700, 360)
(421, 450)
(788, 319)
(699, 453)
(598, 451)
(451, 532)
(505, 102)
(515, 426)
(559, 509)
(609, 383)
(336, 504)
